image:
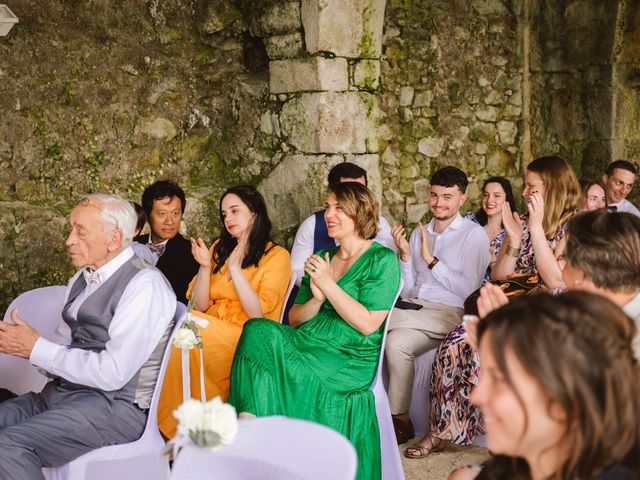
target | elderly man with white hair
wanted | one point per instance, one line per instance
(116, 320)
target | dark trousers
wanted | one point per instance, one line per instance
(51, 428)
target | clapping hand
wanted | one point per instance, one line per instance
(425, 247)
(200, 252)
(491, 298)
(535, 205)
(512, 224)
(320, 271)
(400, 239)
(237, 255)
(17, 339)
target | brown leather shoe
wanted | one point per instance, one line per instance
(403, 428)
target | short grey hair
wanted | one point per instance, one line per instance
(116, 212)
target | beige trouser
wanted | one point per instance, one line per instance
(411, 333)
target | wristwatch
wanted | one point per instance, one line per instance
(433, 263)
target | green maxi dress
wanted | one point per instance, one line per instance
(322, 370)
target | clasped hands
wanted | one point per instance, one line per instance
(19, 338)
(320, 272)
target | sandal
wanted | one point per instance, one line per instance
(403, 429)
(420, 450)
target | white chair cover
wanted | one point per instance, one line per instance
(292, 283)
(272, 448)
(136, 460)
(42, 309)
(391, 463)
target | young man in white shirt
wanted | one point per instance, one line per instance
(117, 319)
(312, 234)
(441, 264)
(618, 181)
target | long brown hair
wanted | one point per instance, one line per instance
(561, 191)
(577, 346)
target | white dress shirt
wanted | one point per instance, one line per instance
(144, 312)
(625, 206)
(463, 253)
(303, 243)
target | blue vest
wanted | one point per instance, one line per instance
(321, 238)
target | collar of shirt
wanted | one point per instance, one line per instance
(157, 244)
(455, 225)
(112, 266)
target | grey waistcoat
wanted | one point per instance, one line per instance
(91, 331)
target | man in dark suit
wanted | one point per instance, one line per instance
(164, 203)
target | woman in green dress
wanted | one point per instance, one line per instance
(321, 368)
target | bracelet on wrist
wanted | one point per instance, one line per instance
(433, 263)
(513, 251)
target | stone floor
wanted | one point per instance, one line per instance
(437, 466)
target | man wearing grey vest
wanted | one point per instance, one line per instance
(117, 319)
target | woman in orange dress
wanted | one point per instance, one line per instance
(243, 275)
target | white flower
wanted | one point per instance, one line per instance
(211, 424)
(185, 338)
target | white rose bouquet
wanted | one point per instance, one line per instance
(188, 335)
(208, 424)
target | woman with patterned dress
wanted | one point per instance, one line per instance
(532, 244)
(321, 367)
(243, 275)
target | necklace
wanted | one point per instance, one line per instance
(349, 257)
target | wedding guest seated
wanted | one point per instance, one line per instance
(117, 318)
(164, 203)
(445, 392)
(441, 265)
(593, 195)
(243, 275)
(313, 234)
(532, 244)
(559, 390)
(143, 250)
(603, 257)
(321, 369)
(618, 181)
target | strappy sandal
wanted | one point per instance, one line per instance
(419, 450)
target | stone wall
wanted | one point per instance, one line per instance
(110, 96)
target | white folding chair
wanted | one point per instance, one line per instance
(42, 309)
(136, 460)
(313, 452)
(391, 463)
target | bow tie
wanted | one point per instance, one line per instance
(157, 249)
(92, 277)
(613, 208)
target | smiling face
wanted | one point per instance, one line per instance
(594, 198)
(88, 244)
(339, 224)
(493, 197)
(236, 214)
(445, 202)
(618, 185)
(519, 418)
(533, 183)
(165, 219)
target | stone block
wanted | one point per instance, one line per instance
(406, 96)
(158, 128)
(422, 188)
(296, 187)
(366, 74)
(284, 46)
(487, 113)
(308, 74)
(277, 18)
(490, 7)
(431, 147)
(415, 213)
(329, 122)
(371, 163)
(423, 98)
(507, 132)
(347, 28)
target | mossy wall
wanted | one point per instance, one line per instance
(110, 96)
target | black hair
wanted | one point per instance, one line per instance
(346, 170)
(481, 215)
(159, 190)
(624, 165)
(260, 234)
(450, 176)
(142, 216)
